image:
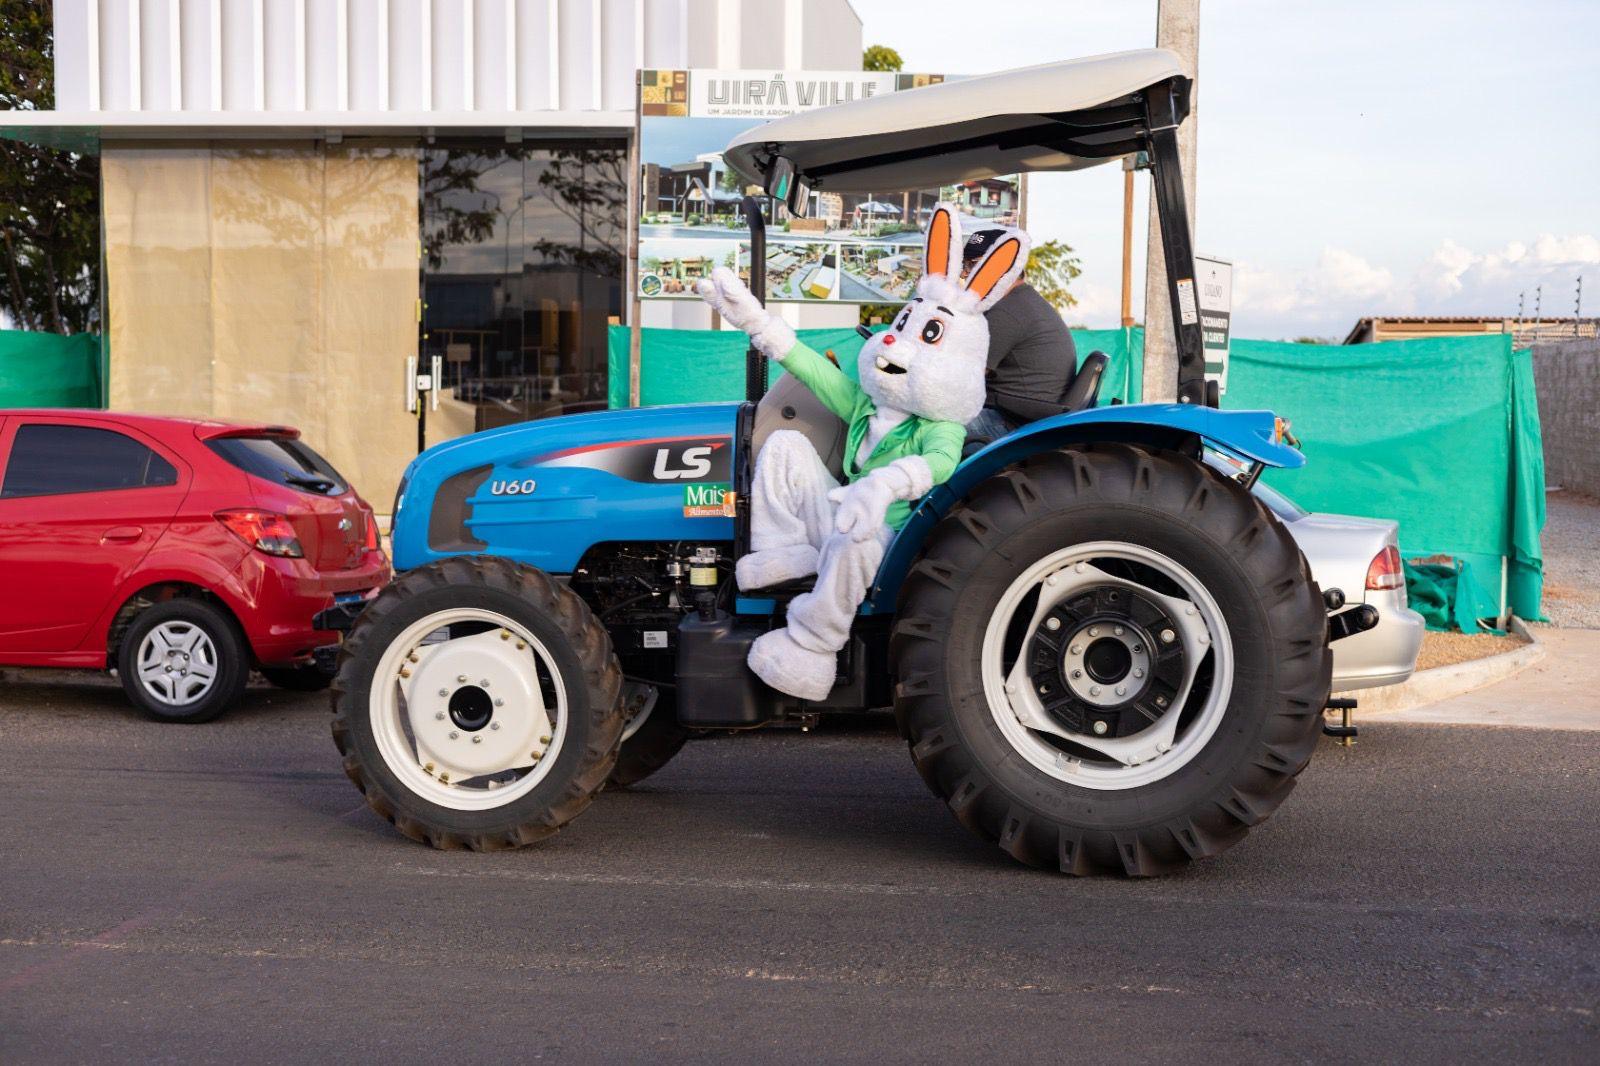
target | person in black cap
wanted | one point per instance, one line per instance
(1032, 360)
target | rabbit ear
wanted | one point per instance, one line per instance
(999, 269)
(943, 252)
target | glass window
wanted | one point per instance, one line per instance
(281, 461)
(523, 253)
(49, 460)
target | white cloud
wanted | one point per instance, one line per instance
(1343, 286)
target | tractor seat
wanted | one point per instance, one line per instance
(1081, 395)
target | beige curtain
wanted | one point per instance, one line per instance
(271, 283)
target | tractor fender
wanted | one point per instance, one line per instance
(1249, 435)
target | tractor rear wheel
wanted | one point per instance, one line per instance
(476, 704)
(1110, 660)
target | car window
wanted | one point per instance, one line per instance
(53, 460)
(281, 461)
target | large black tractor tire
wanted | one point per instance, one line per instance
(585, 668)
(651, 746)
(1160, 502)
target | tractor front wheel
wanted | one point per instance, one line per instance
(1110, 660)
(476, 704)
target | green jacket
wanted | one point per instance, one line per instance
(939, 443)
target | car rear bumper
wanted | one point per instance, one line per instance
(1386, 654)
(289, 595)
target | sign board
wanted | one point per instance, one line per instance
(1214, 278)
(850, 247)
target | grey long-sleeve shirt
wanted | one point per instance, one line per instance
(1031, 357)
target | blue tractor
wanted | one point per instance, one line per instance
(1104, 655)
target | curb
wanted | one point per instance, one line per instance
(1457, 679)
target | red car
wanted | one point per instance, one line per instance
(179, 552)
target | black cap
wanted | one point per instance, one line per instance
(979, 243)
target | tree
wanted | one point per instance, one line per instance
(881, 57)
(49, 199)
(1052, 267)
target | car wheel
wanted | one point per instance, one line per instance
(183, 660)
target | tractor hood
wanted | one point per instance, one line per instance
(544, 492)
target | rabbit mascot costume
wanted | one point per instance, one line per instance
(921, 382)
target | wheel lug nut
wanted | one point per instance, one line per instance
(444, 692)
(477, 740)
(1052, 624)
(1138, 673)
(1117, 631)
(439, 715)
(1076, 649)
(1100, 728)
(1094, 631)
(454, 735)
(1122, 690)
(484, 683)
(1077, 673)
(494, 725)
(1137, 648)
(1168, 636)
(461, 678)
(499, 703)
(1094, 690)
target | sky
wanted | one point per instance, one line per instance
(1355, 158)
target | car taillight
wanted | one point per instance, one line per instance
(1385, 571)
(370, 539)
(264, 531)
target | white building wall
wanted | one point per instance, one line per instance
(445, 58)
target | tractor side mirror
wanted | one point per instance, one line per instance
(799, 197)
(780, 178)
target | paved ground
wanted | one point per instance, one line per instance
(219, 893)
(1571, 543)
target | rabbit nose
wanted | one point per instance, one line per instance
(888, 338)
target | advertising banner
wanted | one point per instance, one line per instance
(851, 247)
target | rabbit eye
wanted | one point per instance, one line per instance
(933, 331)
(904, 318)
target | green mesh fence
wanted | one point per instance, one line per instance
(1441, 435)
(49, 370)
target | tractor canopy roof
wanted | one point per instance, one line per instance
(1057, 116)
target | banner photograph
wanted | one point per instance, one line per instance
(861, 247)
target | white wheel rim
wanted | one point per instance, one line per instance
(1108, 762)
(451, 738)
(177, 663)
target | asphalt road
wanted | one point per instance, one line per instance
(220, 893)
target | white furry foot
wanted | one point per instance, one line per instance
(774, 566)
(787, 667)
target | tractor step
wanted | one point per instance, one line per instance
(1344, 731)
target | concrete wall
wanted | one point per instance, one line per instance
(1567, 374)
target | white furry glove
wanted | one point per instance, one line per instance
(729, 297)
(864, 505)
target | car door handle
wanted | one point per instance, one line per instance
(121, 534)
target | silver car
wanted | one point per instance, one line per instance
(1361, 558)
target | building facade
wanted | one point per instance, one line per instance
(305, 201)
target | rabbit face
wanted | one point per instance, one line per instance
(932, 360)
(929, 362)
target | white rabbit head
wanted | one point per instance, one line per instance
(932, 359)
